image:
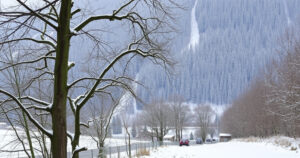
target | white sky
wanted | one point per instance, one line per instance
(7, 5)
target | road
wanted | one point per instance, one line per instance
(93, 153)
(119, 149)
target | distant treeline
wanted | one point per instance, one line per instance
(271, 105)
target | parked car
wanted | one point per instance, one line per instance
(184, 142)
(208, 141)
(214, 140)
(199, 141)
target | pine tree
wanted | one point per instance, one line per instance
(191, 136)
(116, 125)
(133, 130)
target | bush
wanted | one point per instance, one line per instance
(142, 152)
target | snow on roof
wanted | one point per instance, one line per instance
(225, 135)
(169, 136)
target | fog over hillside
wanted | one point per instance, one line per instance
(221, 47)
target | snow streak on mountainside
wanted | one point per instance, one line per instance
(194, 29)
(231, 41)
(287, 13)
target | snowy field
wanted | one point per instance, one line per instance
(273, 147)
(233, 149)
(9, 142)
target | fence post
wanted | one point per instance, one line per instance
(136, 149)
(131, 151)
(118, 148)
(109, 152)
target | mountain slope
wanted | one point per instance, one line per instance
(223, 50)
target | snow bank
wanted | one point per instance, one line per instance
(281, 141)
(8, 142)
(233, 149)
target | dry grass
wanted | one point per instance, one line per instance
(293, 148)
(251, 139)
(283, 142)
(142, 152)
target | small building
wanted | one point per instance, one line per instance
(224, 137)
(169, 137)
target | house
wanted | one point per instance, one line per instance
(224, 137)
(169, 137)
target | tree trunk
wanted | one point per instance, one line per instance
(26, 127)
(59, 123)
(129, 145)
(161, 135)
(77, 133)
(101, 151)
(28, 135)
(176, 134)
(160, 139)
(180, 137)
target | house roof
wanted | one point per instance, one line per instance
(225, 135)
(168, 136)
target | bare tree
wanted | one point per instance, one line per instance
(45, 31)
(249, 116)
(180, 113)
(203, 116)
(270, 106)
(156, 116)
(18, 80)
(284, 92)
(126, 122)
(99, 120)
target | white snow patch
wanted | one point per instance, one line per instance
(281, 141)
(195, 36)
(217, 108)
(232, 149)
(225, 135)
(287, 13)
(128, 99)
(8, 142)
(70, 63)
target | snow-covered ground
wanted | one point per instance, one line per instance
(233, 149)
(282, 141)
(8, 142)
(253, 147)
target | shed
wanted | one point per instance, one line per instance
(169, 137)
(224, 137)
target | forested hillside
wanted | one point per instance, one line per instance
(221, 47)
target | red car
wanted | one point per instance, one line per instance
(184, 142)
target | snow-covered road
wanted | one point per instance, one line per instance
(225, 150)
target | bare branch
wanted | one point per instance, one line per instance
(27, 62)
(31, 118)
(37, 15)
(30, 39)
